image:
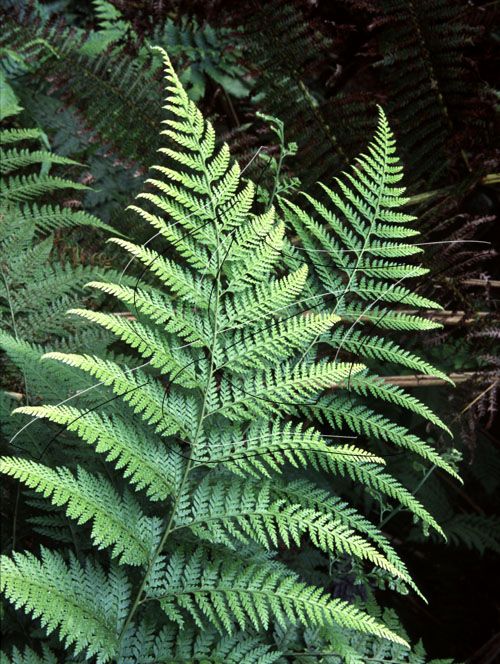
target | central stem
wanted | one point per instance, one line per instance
(189, 464)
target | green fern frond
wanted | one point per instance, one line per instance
(384, 350)
(47, 218)
(35, 289)
(12, 160)
(229, 513)
(476, 531)
(364, 420)
(352, 245)
(15, 135)
(280, 389)
(225, 592)
(84, 605)
(378, 388)
(117, 521)
(144, 461)
(181, 320)
(183, 646)
(202, 52)
(29, 656)
(23, 187)
(275, 342)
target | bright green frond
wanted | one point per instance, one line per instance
(227, 592)
(144, 461)
(224, 408)
(117, 521)
(84, 605)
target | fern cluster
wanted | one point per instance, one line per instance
(110, 72)
(423, 48)
(36, 286)
(220, 388)
(35, 292)
(357, 251)
(88, 77)
(285, 50)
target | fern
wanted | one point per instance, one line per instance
(117, 520)
(29, 656)
(225, 591)
(289, 52)
(79, 62)
(185, 645)
(357, 248)
(475, 531)
(35, 291)
(113, 67)
(200, 418)
(424, 65)
(202, 52)
(341, 646)
(36, 287)
(84, 604)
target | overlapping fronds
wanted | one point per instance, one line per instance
(219, 389)
(288, 53)
(84, 605)
(35, 290)
(424, 65)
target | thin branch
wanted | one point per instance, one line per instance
(412, 380)
(441, 316)
(486, 283)
(487, 180)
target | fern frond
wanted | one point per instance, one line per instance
(214, 398)
(384, 350)
(83, 604)
(15, 135)
(183, 646)
(280, 388)
(23, 187)
(12, 160)
(35, 289)
(143, 460)
(227, 511)
(146, 341)
(424, 63)
(225, 592)
(29, 656)
(275, 342)
(117, 521)
(364, 420)
(352, 246)
(375, 385)
(182, 282)
(142, 393)
(181, 320)
(48, 218)
(476, 531)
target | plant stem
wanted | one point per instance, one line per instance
(170, 522)
(487, 180)
(276, 179)
(398, 509)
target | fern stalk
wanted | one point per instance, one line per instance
(168, 527)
